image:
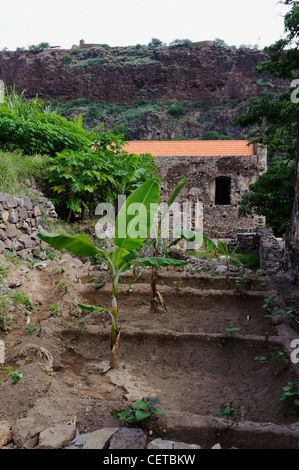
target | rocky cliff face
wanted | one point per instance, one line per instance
(214, 79)
(122, 75)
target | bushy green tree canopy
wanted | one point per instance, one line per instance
(274, 123)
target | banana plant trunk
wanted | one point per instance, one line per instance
(154, 303)
(227, 275)
(115, 331)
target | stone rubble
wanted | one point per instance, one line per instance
(26, 433)
(20, 221)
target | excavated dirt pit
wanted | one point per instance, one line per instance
(178, 356)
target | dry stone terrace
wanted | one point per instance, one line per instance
(20, 221)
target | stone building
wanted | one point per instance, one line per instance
(218, 172)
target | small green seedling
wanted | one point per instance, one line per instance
(31, 329)
(274, 355)
(5, 370)
(291, 391)
(178, 285)
(139, 410)
(55, 312)
(62, 287)
(16, 376)
(227, 411)
(228, 331)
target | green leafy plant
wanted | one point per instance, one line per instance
(19, 298)
(270, 304)
(157, 244)
(81, 178)
(28, 125)
(55, 312)
(243, 284)
(274, 355)
(62, 287)
(5, 320)
(126, 250)
(227, 411)
(16, 376)
(291, 391)
(228, 331)
(178, 285)
(31, 329)
(223, 248)
(5, 370)
(139, 410)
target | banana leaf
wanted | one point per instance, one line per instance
(146, 201)
(160, 262)
(79, 245)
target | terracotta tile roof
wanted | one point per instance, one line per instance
(190, 148)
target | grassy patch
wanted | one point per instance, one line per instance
(248, 258)
(15, 168)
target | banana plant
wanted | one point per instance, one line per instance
(156, 242)
(145, 199)
(127, 244)
(222, 247)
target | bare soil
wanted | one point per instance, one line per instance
(177, 355)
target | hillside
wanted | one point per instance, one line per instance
(146, 93)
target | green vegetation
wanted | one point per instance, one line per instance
(36, 48)
(82, 167)
(16, 376)
(247, 258)
(131, 231)
(31, 126)
(272, 196)
(291, 392)
(13, 176)
(139, 410)
(229, 331)
(273, 122)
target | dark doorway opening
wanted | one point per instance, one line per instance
(222, 191)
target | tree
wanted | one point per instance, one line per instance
(155, 42)
(220, 43)
(275, 205)
(274, 123)
(182, 43)
(210, 135)
(39, 47)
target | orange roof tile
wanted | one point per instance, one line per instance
(190, 148)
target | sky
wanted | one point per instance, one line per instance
(130, 22)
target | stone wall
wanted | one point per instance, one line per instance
(20, 221)
(270, 248)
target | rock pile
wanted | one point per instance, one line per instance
(20, 221)
(26, 433)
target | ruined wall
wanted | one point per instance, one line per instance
(219, 221)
